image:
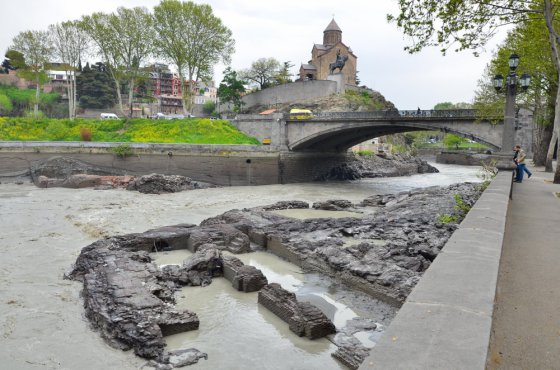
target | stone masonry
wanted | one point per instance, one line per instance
(303, 318)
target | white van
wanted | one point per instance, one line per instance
(109, 116)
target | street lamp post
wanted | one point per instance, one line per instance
(508, 136)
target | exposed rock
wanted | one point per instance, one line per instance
(391, 247)
(303, 318)
(224, 236)
(121, 301)
(64, 167)
(129, 300)
(351, 355)
(157, 184)
(291, 204)
(333, 205)
(84, 181)
(243, 277)
(178, 358)
(378, 166)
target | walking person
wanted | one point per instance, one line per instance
(519, 159)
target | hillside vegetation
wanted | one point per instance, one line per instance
(189, 131)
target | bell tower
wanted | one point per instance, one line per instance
(332, 35)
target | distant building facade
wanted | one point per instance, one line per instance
(322, 55)
(166, 87)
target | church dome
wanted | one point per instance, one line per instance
(332, 35)
(332, 27)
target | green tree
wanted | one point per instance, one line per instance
(449, 105)
(99, 29)
(70, 44)
(209, 107)
(36, 48)
(262, 72)
(123, 40)
(6, 105)
(470, 24)
(96, 89)
(135, 31)
(231, 88)
(451, 141)
(530, 40)
(14, 60)
(284, 76)
(191, 37)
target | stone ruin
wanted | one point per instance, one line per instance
(130, 301)
(303, 318)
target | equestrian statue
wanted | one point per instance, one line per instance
(339, 63)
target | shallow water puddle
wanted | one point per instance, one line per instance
(309, 213)
(175, 257)
(233, 322)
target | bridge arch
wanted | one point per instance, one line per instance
(340, 137)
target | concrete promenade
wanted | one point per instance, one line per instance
(491, 299)
(526, 322)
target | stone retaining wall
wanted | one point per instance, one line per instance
(445, 322)
(226, 165)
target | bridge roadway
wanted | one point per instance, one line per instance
(338, 131)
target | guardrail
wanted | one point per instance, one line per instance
(396, 114)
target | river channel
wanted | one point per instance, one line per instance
(43, 230)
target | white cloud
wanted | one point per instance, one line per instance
(286, 30)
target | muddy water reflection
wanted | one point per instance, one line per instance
(304, 214)
(238, 333)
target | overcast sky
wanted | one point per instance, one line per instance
(287, 29)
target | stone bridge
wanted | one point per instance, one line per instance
(338, 131)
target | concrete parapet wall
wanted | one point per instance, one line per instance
(445, 323)
(263, 127)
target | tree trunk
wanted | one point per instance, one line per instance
(74, 95)
(118, 88)
(69, 94)
(37, 95)
(553, 36)
(182, 84)
(542, 135)
(550, 153)
(130, 95)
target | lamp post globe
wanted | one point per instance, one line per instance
(513, 61)
(525, 80)
(498, 82)
(508, 136)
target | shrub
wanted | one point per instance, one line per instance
(447, 218)
(122, 150)
(460, 204)
(365, 153)
(6, 105)
(85, 134)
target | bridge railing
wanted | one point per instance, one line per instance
(396, 114)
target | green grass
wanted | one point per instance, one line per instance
(191, 131)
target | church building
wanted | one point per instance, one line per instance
(322, 55)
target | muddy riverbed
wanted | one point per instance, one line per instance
(43, 230)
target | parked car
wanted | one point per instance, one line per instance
(175, 116)
(159, 116)
(108, 116)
